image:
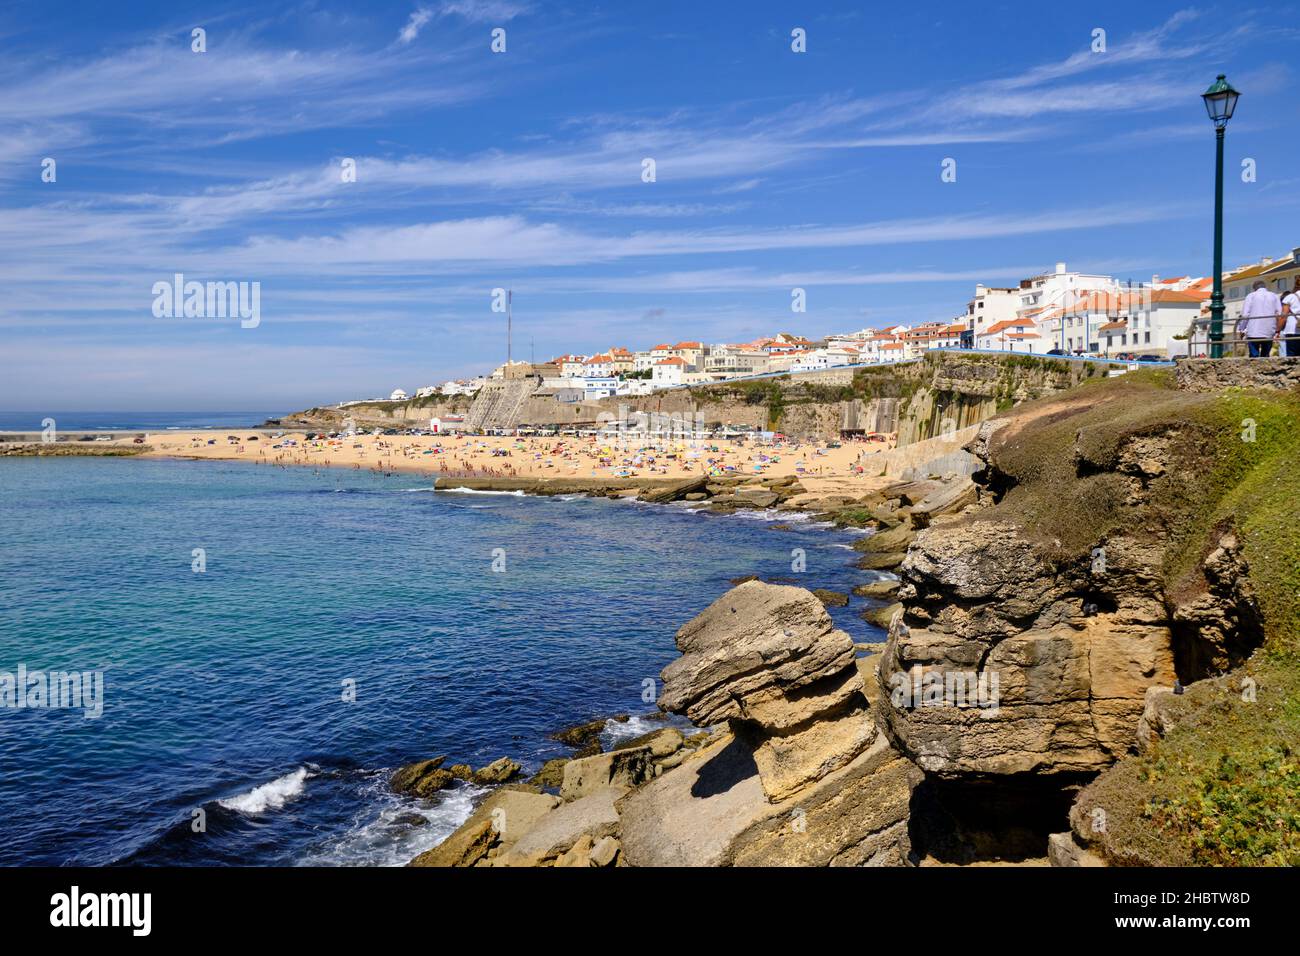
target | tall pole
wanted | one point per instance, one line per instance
(1216, 299)
(510, 319)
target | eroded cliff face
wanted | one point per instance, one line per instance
(943, 392)
(1066, 653)
(1054, 642)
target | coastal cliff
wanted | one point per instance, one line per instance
(942, 393)
(1109, 607)
(1133, 540)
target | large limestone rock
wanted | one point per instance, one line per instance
(423, 778)
(498, 771)
(620, 768)
(1063, 654)
(1063, 849)
(1221, 625)
(767, 659)
(751, 647)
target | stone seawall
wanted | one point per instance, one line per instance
(1213, 375)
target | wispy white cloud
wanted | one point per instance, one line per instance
(484, 11)
(419, 17)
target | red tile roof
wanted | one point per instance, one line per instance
(1006, 324)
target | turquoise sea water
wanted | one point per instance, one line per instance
(224, 690)
(129, 421)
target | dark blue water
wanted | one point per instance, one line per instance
(223, 698)
(130, 421)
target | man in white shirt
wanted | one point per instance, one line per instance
(1261, 320)
(1291, 318)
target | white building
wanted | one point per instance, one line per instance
(1012, 335)
(598, 386)
(448, 424)
(1043, 297)
(892, 350)
(669, 371)
(731, 361)
(829, 357)
(397, 396)
(947, 337)
(844, 354)
(466, 386)
(990, 306)
(1150, 323)
(571, 366)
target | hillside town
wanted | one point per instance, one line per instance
(1056, 313)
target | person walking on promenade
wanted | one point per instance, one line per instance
(1291, 322)
(1261, 320)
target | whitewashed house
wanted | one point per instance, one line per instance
(1012, 335)
(670, 371)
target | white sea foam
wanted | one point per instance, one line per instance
(385, 837)
(764, 514)
(617, 731)
(479, 491)
(270, 796)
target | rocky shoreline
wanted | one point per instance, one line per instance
(1055, 623)
(70, 450)
(783, 702)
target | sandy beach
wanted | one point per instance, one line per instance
(530, 457)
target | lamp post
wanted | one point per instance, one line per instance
(1220, 102)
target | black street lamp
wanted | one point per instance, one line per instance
(1220, 102)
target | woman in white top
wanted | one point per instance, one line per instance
(1291, 313)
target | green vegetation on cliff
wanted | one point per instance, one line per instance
(1135, 455)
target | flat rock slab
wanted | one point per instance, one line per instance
(712, 811)
(593, 816)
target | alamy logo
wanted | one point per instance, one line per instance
(75, 908)
(208, 300)
(53, 690)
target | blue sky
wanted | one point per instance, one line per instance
(522, 169)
